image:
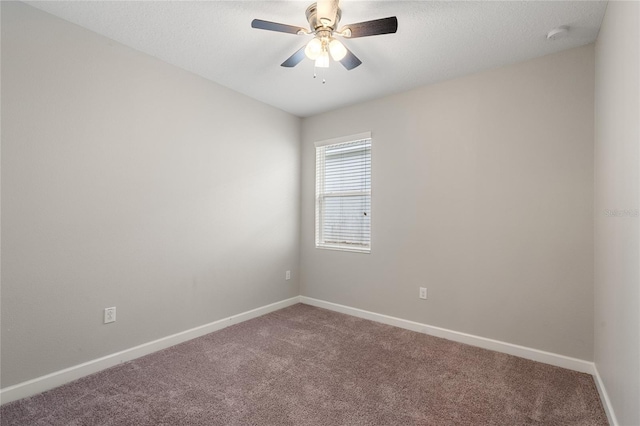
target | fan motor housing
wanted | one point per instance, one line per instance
(314, 23)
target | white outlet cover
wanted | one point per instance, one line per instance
(423, 292)
(109, 315)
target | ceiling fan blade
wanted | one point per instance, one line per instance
(274, 26)
(371, 28)
(350, 61)
(327, 11)
(294, 59)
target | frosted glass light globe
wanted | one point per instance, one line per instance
(313, 49)
(337, 50)
(322, 61)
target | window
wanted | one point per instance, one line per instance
(343, 193)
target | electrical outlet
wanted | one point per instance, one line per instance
(423, 292)
(287, 275)
(109, 315)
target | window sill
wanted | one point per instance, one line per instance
(365, 250)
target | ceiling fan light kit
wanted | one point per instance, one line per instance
(323, 18)
(319, 48)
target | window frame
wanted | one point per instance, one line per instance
(320, 195)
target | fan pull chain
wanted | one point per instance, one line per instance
(315, 75)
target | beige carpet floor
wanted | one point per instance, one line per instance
(308, 366)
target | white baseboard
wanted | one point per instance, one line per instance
(604, 397)
(58, 378)
(482, 342)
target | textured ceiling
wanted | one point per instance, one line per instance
(435, 41)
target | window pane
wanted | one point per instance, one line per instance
(347, 171)
(347, 219)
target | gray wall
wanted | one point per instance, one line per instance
(128, 182)
(482, 191)
(617, 232)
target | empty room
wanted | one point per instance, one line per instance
(335, 213)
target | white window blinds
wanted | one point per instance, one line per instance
(343, 195)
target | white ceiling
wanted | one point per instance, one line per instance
(435, 41)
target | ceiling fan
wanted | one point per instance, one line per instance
(323, 18)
